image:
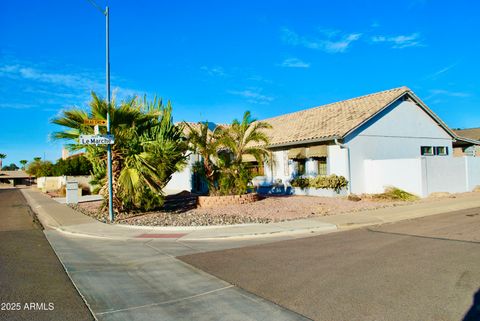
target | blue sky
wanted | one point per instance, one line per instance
(216, 59)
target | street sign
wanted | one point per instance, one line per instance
(96, 139)
(95, 122)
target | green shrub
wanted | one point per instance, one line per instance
(233, 180)
(329, 182)
(396, 194)
(301, 182)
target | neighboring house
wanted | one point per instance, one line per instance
(390, 138)
(15, 178)
(466, 142)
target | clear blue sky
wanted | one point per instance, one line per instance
(216, 59)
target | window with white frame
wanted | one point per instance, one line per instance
(321, 166)
(426, 151)
(441, 150)
(434, 150)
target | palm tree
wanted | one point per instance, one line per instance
(37, 159)
(247, 137)
(23, 162)
(204, 142)
(148, 148)
(2, 157)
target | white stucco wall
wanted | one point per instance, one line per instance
(279, 168)
(396, 134)
(405, 174)
(423, 175)
(473, 172)
(445, 175)
(182, 180)
(337, 161)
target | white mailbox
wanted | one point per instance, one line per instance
(72, 192)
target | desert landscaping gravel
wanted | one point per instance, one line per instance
(269, 209)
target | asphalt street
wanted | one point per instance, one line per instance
(33, 283)
(422, 269)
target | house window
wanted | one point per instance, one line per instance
(321, 166)
(255, 169)
(441, 150)
(301, 167)
(426, 151)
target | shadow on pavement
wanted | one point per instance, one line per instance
(473, 314)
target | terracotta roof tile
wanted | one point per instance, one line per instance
(472, 133)
(331, 120)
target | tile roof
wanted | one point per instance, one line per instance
(14, 174)
(472, 133)
(333, 120)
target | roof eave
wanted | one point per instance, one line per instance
(304, 142)
(467, 140)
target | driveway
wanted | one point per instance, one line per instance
(422, 269)
(142, 280)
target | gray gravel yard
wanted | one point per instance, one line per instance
(269, 209)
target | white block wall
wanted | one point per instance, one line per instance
(424, 175)
(402, 173)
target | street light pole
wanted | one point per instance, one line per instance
(109, 146)
(106, 13)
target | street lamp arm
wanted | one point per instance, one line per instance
(93, 3)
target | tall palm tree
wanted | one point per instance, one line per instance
(2, 157)
(148, 148)
(204, 142)
(23, 162)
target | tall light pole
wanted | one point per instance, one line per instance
(109, 146)
(106, 13)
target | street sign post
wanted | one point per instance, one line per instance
(96, 139)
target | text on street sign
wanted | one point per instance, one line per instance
(96, 139)
(95, 122)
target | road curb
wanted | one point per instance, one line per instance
(47, 221)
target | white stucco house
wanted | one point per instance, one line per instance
(389, 138)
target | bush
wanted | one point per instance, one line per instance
(354, 198)
(233, 181)
(329, 182)
(301, 182)
(74, 165)
(395, 194)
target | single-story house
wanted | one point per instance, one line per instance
(389, 138)
(466, 145)
(15, 178)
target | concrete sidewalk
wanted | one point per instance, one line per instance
(66, 220)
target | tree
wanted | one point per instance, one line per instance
(23, 162)
(2, 157)
(148, 149)
(247, 137)
(74, 165)
(11, 167)
(204, 142)
(222, 152)
(39, 168)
